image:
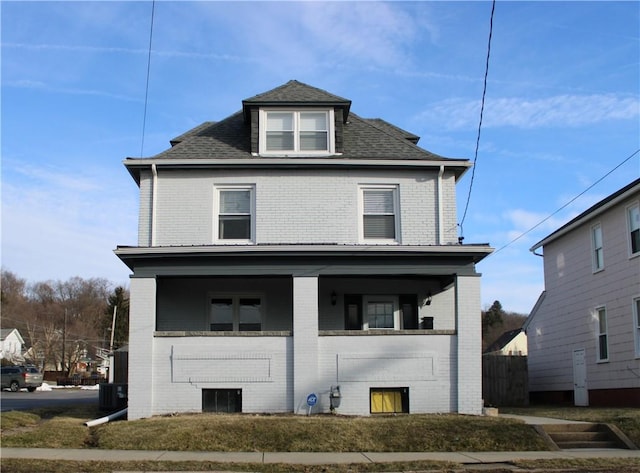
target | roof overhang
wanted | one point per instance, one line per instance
(592, 212)
(136, 165)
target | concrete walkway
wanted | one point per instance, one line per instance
(306, 458)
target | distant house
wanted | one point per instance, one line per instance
(584, 331)
(295, 256)
(11, 345)
(510, 343)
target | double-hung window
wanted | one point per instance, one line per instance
(235, 210)
(236, 314)
(633, 220)
(296, 132)
(379, 213)
(596, 248)
(603, 343)
(636, 324)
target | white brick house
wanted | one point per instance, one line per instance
(296, 248)
(584, 332)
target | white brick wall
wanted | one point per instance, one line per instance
(142, 312)
(469, 348)
(297, 206)
(305, 340)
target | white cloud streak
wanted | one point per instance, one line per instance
(557, 111)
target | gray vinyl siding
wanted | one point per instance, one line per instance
(566, 320)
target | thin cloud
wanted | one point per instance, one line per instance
(45, 87)
(558, 111)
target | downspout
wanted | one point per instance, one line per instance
(154, 202)
(439, 205)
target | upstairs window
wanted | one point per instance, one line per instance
(634, 228)
(296, 132)
(235, 214)
(379, 213)
(596, 248)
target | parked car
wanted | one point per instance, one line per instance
(18, 377)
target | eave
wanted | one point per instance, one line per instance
(135, 165)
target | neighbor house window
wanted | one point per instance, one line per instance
(596, 248)
(379, 213)
(636, 324)
(235, 214)
(236, 314)
(296, 132)
(603, 344)
(634, 228)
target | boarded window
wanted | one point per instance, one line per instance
(389, 400)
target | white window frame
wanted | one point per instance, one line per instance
(395, 189)
(386, 298)
(635, 312)
(597, 250)
(602, 334)
(216, 217)
(235, 298)
(296, 132)
(631, 228)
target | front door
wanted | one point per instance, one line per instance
(580, 392)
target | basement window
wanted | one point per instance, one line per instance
(222, 400)
(389, 400)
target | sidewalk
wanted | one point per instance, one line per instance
(305, 458)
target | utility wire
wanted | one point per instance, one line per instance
(146, 91)
(566, 205)
(484, 93)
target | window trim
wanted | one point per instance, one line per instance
(635, 312)
(218, 188)
(235, 297)
(395, 189)
(628, 210)
(600, 334)
(597, 250)
(262, 137)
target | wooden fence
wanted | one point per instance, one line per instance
(505, 381)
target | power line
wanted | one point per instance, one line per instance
(146, 91)
(567, 204)
(484, 93)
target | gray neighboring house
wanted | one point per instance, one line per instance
(584, 331)
(295, 257)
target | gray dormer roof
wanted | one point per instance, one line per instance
(296, 94)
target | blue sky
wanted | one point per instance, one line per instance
(562, 109)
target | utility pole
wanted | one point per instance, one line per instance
(64, 342)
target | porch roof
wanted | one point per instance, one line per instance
(306, 259)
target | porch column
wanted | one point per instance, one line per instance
(305, 340)
(142, 321)
(469, 350)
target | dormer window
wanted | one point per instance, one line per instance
(296, 132)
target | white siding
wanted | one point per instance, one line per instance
(566, 319)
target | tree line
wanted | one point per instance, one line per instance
(496, 321)
(65, 324)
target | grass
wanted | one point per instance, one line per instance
(626, 419)
(267, 433)
(63, 428)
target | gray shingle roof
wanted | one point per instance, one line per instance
(230, 138)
